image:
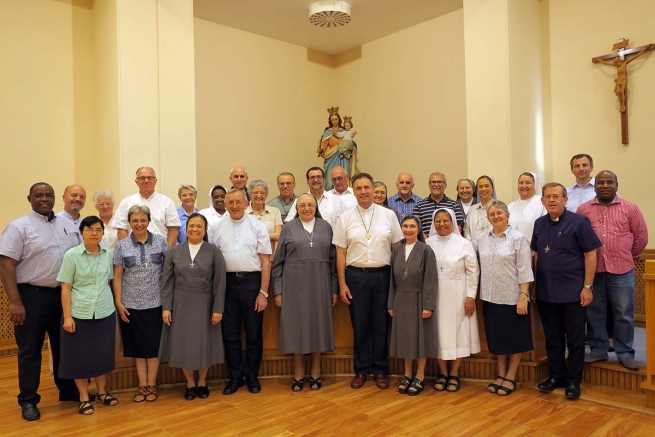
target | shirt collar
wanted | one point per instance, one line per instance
(102, 249)
(135, 241)
(591, 182)
(44, 218)
(241, 220)
(152, 196)
(615, 200)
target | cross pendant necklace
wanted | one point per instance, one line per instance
(546, 249)
(370, 224)
(192, 264)
(310, 237)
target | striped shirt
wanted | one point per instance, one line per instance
(621, 228)
(426, 207)
(39, 245)
(401, 207)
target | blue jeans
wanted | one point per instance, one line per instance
(619, 290)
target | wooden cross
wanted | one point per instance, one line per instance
(621, 61)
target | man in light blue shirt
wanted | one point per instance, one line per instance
(584, 188)
(74, 200)
(32, 249)
(246, 247)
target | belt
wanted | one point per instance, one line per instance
(40, 287)
(369, 269)
(239, 274)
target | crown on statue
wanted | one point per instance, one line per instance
(333, 110)
(348, 119)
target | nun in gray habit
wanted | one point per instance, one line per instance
(305, 286)
(412, 303)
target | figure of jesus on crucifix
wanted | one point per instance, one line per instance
(621, 61)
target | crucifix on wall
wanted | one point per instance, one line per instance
(621, 58)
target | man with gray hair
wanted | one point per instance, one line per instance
(404, 201)
(165, 221)
(239, 179)
(103, 200)
(437, 199)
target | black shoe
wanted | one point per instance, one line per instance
(203, 392)
(253, 385)
(572, 391)
(30, 412)
(190, 393)
(232, 386)
(551, 384)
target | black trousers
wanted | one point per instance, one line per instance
(370, 319)
(240, 295)
(42, 314)
(564, 327)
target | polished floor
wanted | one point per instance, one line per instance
(335, 410)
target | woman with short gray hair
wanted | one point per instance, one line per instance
(269, 215)
(187, 195)
(104, 201)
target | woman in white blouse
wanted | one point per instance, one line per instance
(476, 219)
(506, 273)
(524, 212)
(269, 215)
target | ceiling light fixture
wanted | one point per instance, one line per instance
(329, 14)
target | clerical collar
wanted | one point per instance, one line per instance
(239, 220)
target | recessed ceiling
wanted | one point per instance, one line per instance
(288, 20)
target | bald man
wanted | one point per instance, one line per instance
(342, 192)
(74, 198)
(404, 201)
(239, 179)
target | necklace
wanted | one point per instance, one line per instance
(310, 237)
(440, 263)
(407, 257)
(93, 271)
(368, 230)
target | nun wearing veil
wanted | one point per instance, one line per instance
(458, 275)
(528, 208)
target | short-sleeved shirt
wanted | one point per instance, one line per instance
(560, 247)
(351, 231)
(271, 217)
(283, 206)
(330, 207)
(212, 216)
(505, 263)
(403, 208)
(163, 213)
(91, 297)
(143, 265)
(426, 207)
(76, 223)
(184, 217)
(38, 244)
(241, 242)
(578, 195)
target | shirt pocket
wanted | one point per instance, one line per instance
(156, 258)
(568, 242)
(129, 262)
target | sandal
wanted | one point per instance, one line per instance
(417, 385)
(315, 384)
(404, 385)
(297, 385)
(452, 384)
(506, 391)
(107, 399)
(493, 387)
(86, 408)
(151, 394)
(441, 385)
(141, 394)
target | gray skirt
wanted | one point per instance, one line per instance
(90, 351)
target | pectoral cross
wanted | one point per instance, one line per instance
(311, 244)
(441, 268)
(546, 249)
(620, 61)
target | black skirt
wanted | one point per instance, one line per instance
(90, 351)
(142, 335)
(507, 331)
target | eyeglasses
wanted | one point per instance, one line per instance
(437, 182)
(146, 178)
(92, 231)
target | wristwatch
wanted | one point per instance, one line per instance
(264, 293)
(589, 287)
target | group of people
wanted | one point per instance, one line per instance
(184, 282)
